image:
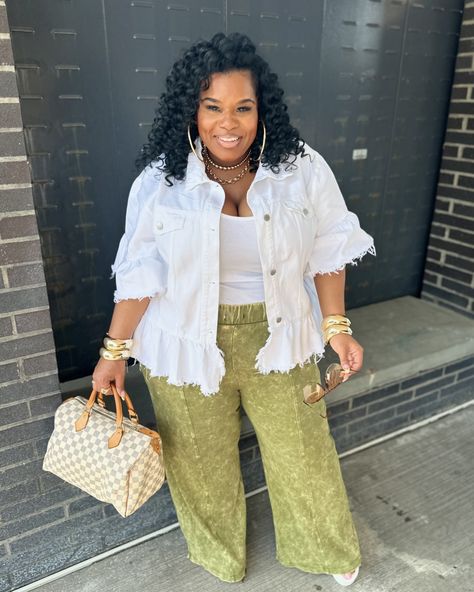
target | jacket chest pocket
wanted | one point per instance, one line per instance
(168, 227)
(168, 221)
(302, 208)
(298, 228)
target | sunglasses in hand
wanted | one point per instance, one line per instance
(333, 377)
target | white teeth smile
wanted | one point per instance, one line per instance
(227, 139)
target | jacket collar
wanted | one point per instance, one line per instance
(196, 173)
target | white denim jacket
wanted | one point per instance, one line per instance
(170, 252)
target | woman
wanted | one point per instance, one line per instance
(234, 250)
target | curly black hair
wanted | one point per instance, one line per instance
(168, 142)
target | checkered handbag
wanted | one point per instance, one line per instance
(112, 458)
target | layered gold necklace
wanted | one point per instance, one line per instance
(208, 162)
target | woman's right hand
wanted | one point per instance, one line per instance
(107, 371)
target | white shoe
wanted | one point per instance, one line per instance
(340, 579)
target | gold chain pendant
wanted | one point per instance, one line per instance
(228, 181)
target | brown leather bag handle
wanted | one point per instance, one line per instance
(132, 414)
(83, 420)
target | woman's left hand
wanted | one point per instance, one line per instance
(350, 352)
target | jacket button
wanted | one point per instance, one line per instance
(159, 225)
(273, 271)
(305, 211)
(266, 217)
(278, 319)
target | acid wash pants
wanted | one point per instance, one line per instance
(314, 529)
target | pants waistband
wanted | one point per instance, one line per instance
(241, 314)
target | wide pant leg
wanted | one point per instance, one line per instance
(314, 529)
(200, 438)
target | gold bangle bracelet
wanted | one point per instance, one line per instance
(338, 326)
(114, 356)
(338, 317)
(329, 334)
(116, 345)
(338, 329)
(331, 320)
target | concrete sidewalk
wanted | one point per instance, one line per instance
(412, 501)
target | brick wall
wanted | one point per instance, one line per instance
(449, 278)
(29, 388)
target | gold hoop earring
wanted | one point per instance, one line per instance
(263, 142)
(192, 145)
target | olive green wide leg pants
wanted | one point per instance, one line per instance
(314, 529)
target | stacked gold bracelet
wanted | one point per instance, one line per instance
(334, 324)
(115, 349)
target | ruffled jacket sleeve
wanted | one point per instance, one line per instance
(138, 269)
(339, 239)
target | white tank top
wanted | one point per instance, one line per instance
(240, 269)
